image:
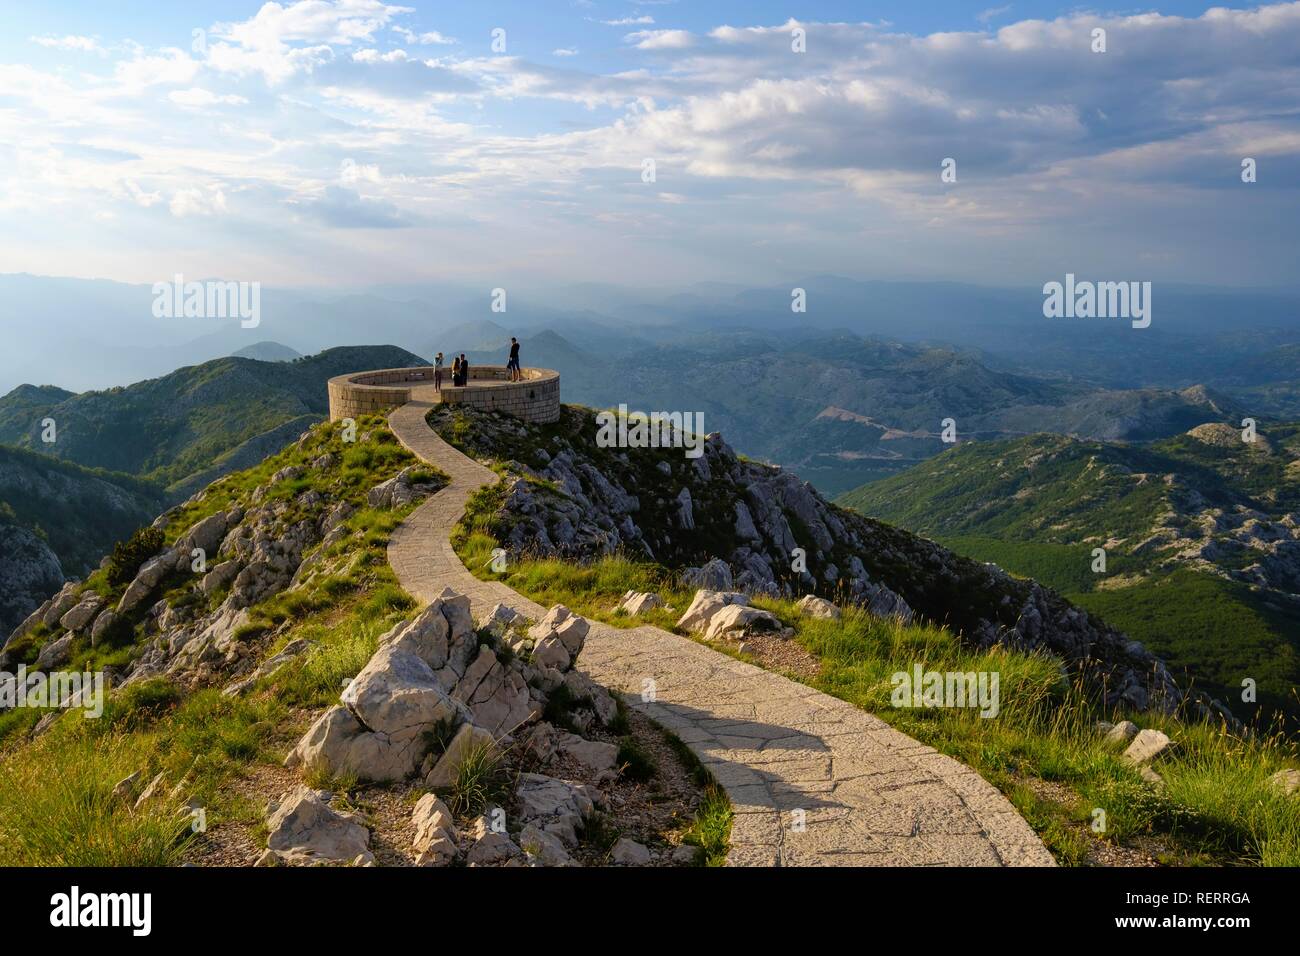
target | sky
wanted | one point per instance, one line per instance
(347, 143)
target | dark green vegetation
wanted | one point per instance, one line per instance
(128, 555)
(1179, 520)
(78, 511)
(169, 428)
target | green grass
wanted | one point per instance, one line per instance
(711, 829)
(1215, 807)
(481, 780)
(54, 805)
(1215, 802)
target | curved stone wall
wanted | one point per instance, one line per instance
(535, 399)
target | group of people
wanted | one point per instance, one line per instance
(459, 370)
(460, 367)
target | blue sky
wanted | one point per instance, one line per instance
(340, 143)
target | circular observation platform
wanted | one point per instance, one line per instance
(536, 398)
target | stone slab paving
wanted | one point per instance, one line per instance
(814, 781)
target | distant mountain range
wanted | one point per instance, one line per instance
(267, 352)
(1201, 534)
(841, 409)
(188, 426)
(107, 333)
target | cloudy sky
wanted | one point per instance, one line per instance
(342, 143)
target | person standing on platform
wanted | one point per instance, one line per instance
(513, 365)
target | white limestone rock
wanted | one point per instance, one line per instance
(705, 604)
(304, 829)
(813, 606)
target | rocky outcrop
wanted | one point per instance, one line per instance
(29, 573)
(56, 520)
(431, 675)
(432, 698)
(757, 529)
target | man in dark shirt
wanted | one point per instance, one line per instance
(513, 365)
(464, 369)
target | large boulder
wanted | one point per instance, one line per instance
(60, 604)
(207, 534)
(705, 604)
(638, 602)
(377, 733)
(549, 652)
(54, 654)
(146, 579)
(737, 620)
(83, 612)
(426, 637)
(563, 624)
(104, 622)
(497, 697)
(810, 605)
(303, 828)
(1147, 746)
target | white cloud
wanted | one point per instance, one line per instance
(431, 38)
(172, 67)
(197, 202)
(1045, 132)
(629, 22)
(350, 173)
(263, 43)
(314, 21)
(564, 51)
(76, 43)
(371, 55)
(199, 97)
(660, 39)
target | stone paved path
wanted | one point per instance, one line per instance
(814, 780)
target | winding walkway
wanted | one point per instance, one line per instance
(813, 780)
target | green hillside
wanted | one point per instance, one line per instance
(79, 512)
(1199, 532)
(170, 428)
